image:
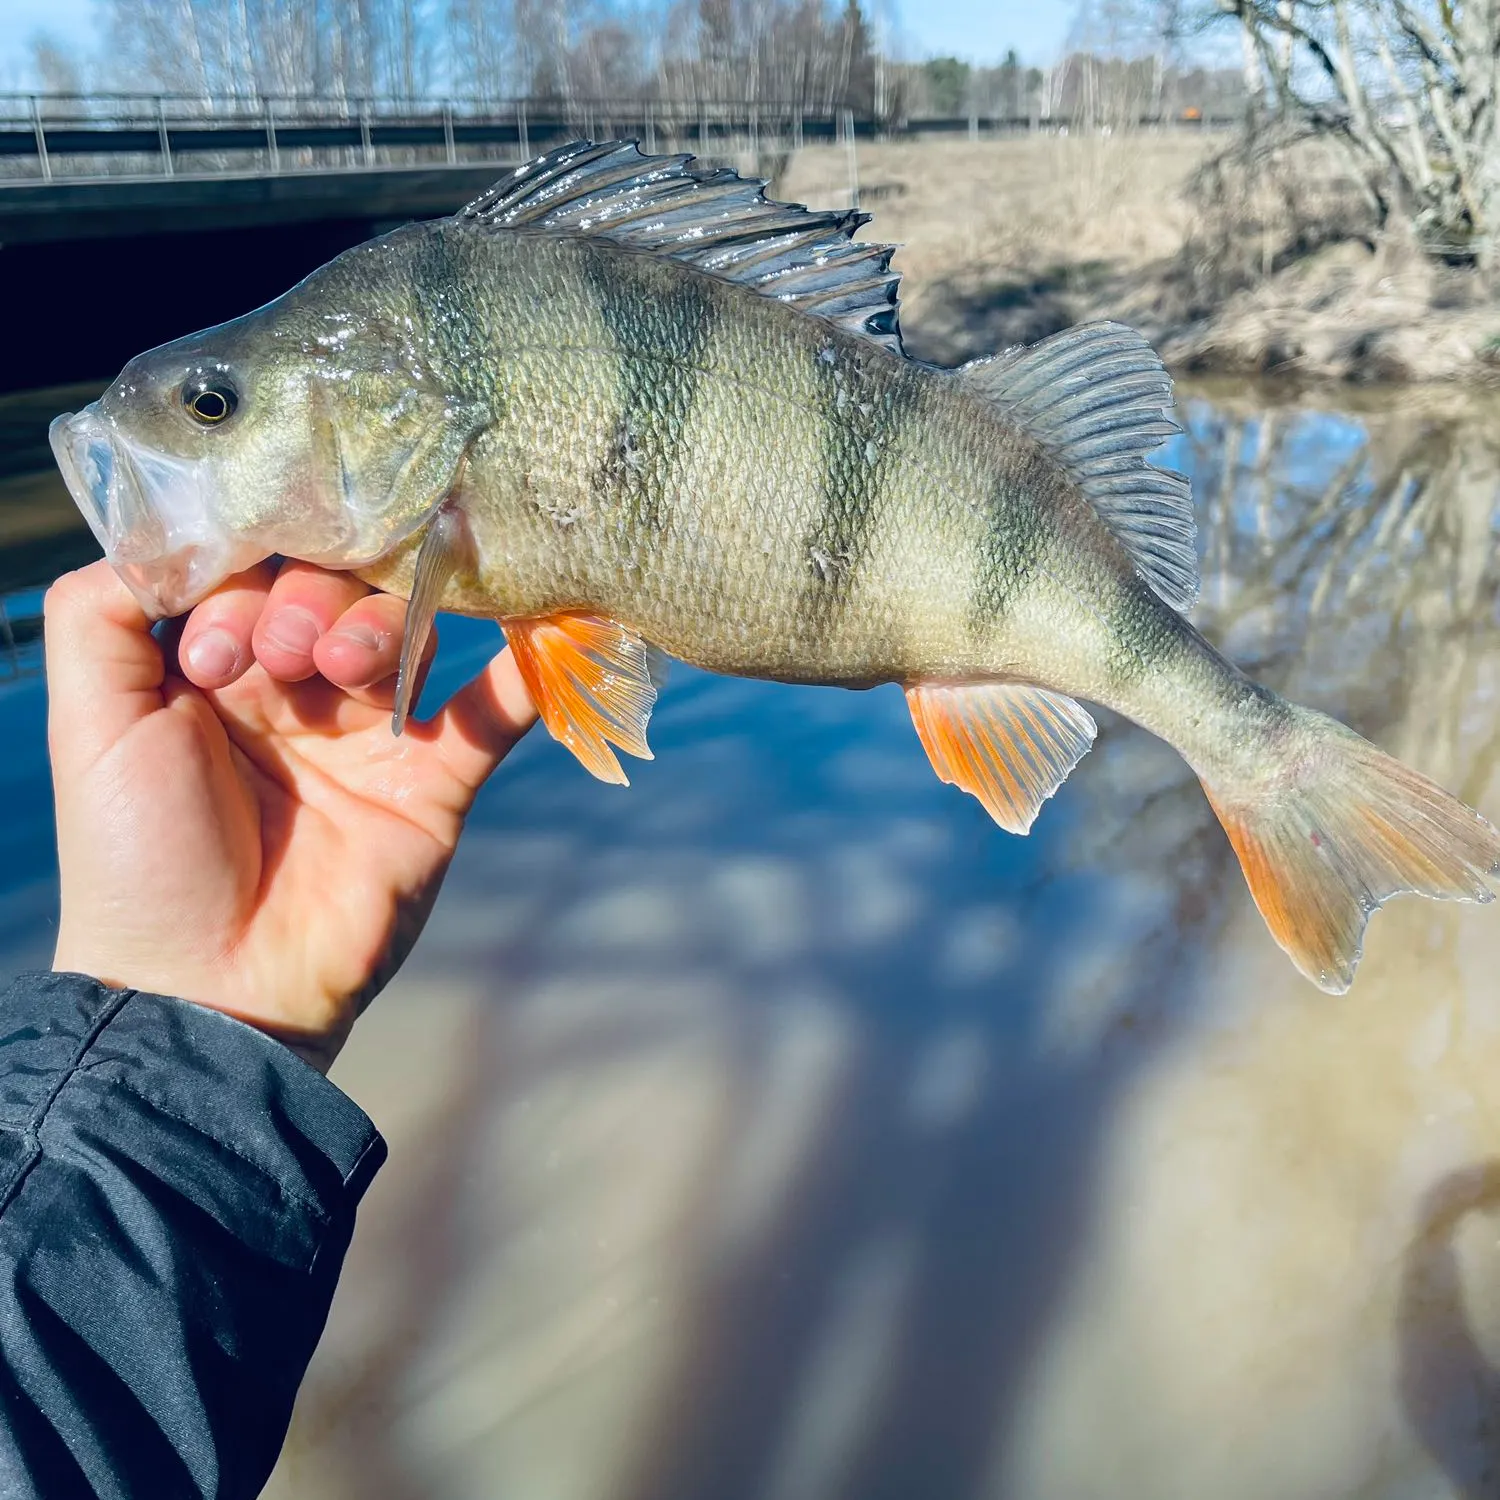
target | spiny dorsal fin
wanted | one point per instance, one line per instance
(710, 217)
(1098, 398)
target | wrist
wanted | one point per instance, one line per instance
(317, 1047)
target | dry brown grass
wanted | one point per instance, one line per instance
(1225, 263)
(1003, 240)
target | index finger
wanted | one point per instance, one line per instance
(104, 669)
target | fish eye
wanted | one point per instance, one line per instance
(210, 402)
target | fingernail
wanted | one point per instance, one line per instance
(293, 631)
(359, 635)
(214, 655)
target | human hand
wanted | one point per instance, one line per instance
(243, 830)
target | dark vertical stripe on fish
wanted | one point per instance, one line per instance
(1147, 633)
(865, 418)
(453, 326)
(661, 334)
(1018, 530)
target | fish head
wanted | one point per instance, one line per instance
(317, 427)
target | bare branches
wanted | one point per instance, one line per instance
(820, 54)
(1411, 89)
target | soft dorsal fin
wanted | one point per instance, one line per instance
(710, 217)
(1098, 398)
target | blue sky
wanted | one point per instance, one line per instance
(21, 19)
(977, 29)
(983, 30)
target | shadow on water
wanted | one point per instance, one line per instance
(778, 1130)
(1450, 1385)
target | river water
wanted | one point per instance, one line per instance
(778, 1129)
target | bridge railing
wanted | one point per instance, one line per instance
(56, 137)
(71, 137)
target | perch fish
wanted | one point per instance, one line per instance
(622, 401)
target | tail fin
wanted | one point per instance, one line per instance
(1340, 832)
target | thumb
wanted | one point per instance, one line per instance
(104, 669)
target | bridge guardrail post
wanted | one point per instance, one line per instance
(449, 148)
(41, 140)
(271, 147)
(164, 140)
(365, 147)
(521, 130)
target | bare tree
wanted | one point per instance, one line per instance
(785, 51)
(479, 45)
(340, 49)
(820, 55)
(57, 67)
(1120, 53)
(1410, 89)
(607, 62)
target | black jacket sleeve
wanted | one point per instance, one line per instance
(176, 1195)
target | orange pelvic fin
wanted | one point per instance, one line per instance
(1345, 828)
(591, 681)
(1008, 743)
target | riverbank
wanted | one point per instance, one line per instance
(1007, 240)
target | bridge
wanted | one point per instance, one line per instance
(74, 166)
(126, 220)
(88, 166)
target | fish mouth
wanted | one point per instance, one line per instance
(151, 512)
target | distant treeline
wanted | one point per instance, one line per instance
(815, 55)
(1091, 89)
(800, 52)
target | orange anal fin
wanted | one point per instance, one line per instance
(590, 679)
(1008, 743)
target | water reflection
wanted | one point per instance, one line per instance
(779, 1129)
(41, 533)
(21, 636)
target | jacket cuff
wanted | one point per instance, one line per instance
(198, 1096)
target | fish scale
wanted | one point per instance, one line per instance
(623, 402)
(742, 515)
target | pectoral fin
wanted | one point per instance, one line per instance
(590, 679)
(445, 548)
(1008, 743)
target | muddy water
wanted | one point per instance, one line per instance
(779, 1130)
